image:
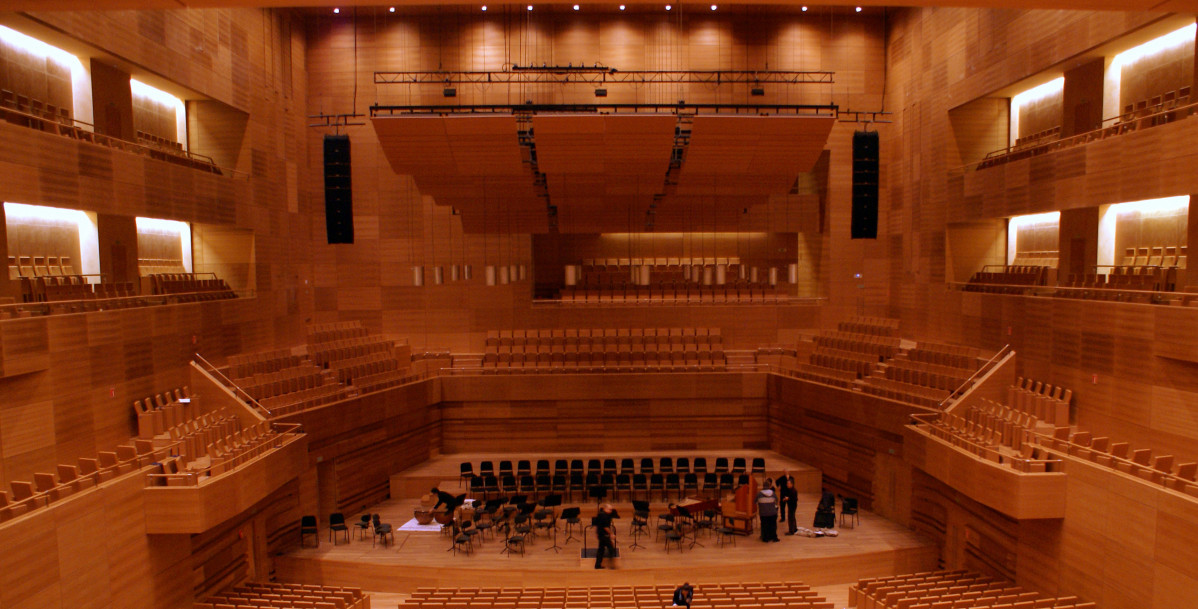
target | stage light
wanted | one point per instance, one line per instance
(668, 7)
(391, 10)
(713, 7)
(484, 8)
(336, 11)
(575, 7)
(858, 9)
(804, 9)
(621, 7)
(530, 7)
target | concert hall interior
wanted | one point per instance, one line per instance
(276, 271)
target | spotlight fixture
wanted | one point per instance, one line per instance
(804, 9)
(621, 7)
(530, 7)
(668, 7)
(713, 7)
(336, 11)
(600, 92)
(484, 8)
(858, 9)
(575, 7)
(391, 10)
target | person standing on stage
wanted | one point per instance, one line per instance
(767, 508)
(606, 533)
(788, 497)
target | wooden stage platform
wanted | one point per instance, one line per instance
(874, 547)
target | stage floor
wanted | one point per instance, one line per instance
(875, 547)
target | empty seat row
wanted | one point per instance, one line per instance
(304, 399)
(676, 295)
(323, 333)
(1158, 469)
(904, 392)
(730, 595)
(951, 589)
(603, 336)
(39, 266)
(277, 594)
(819, 374)
(955, 356)
(157, 413)
(180, 283)
(881, 346)
(1041, 400)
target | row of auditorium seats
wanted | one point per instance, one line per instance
(1050, 259)
(281, 382)
(39, 266)
(675, 295)
(248, 364)
(617, 465)
(679, 360)
(734, 595)
(1157, 110)
(60, 288)
(681, 484)
(347, 370)
(22, 110)
(603, 336)
(863, 364)
(818, 374)
(189, 442)
(955, 356)
(70, 479)
(1141, 462)
(665, 263)
(881, 346)
(1141, 279)
(182, 283)
(1154, 256)
(159, 266)
(928, 397)
(305, 398)
(1038, 137)
(328, 353)
(156, 141)
(906, 372)
(880, 326)
(951, 589)
(994, 439)
(229, 446)
(1041, 400)
(160, 412)
(270, 595)
(338, 330)
(1011, 275)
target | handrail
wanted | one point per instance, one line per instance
(1051, 442)
(245, 396)
(47, 307)
(961, 389)
(1132, 122)
(1054, 290)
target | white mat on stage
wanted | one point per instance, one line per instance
(412, 525)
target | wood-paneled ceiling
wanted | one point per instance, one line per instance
(86, 5)
(589, 173)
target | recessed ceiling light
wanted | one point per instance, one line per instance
(804, 9)
(668, 7)
(575, 7)
(391, 10)
(621, 7)
(713, 7)
(484, 7)
(336, 11)
(530, 7)
(858, 9)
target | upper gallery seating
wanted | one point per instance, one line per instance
(951, 589)
(162, 411)
(604, 350)
(278, 594)
(1159, 469)
(722, 596)
(671, 281)
(341, 360)
(22, 110)
(190, 283)
(1142, 114)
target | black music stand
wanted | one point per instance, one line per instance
(570, 515)
(639, 527)
(686, 514)
(551, 502)
(597, 492)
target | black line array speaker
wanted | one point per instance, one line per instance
(338, 190)
(865, 185)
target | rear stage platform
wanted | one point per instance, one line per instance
(874, 547)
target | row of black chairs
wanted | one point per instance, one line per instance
(627, 465)
(605, 486)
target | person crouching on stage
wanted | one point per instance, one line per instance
(767, 508)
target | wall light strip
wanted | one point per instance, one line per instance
(1156, 45)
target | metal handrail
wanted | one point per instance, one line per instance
(244, 395)
(980, 371)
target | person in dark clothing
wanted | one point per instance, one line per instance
(767, 508)
(788, 496)
(683, 595)
(606, 532)
(444, 499)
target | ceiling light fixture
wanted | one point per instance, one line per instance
(621, 7)
(804, 9)
(575, 7)
(668, 7)
(713, 7)
(530, 7)
(484, 8)
(391, 10)
(858, 9)
(336, 11)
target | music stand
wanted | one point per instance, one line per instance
(686, 514)
(640, 510)
(570, 515)
(549, 503)
(597, 492)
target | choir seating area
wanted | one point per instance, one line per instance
(868, 355)
(23, 110)
(279, 595)
(729, 595)
(677, 294)
(1145, 113)
(340, 360)
(952, 589)
(604, 350)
